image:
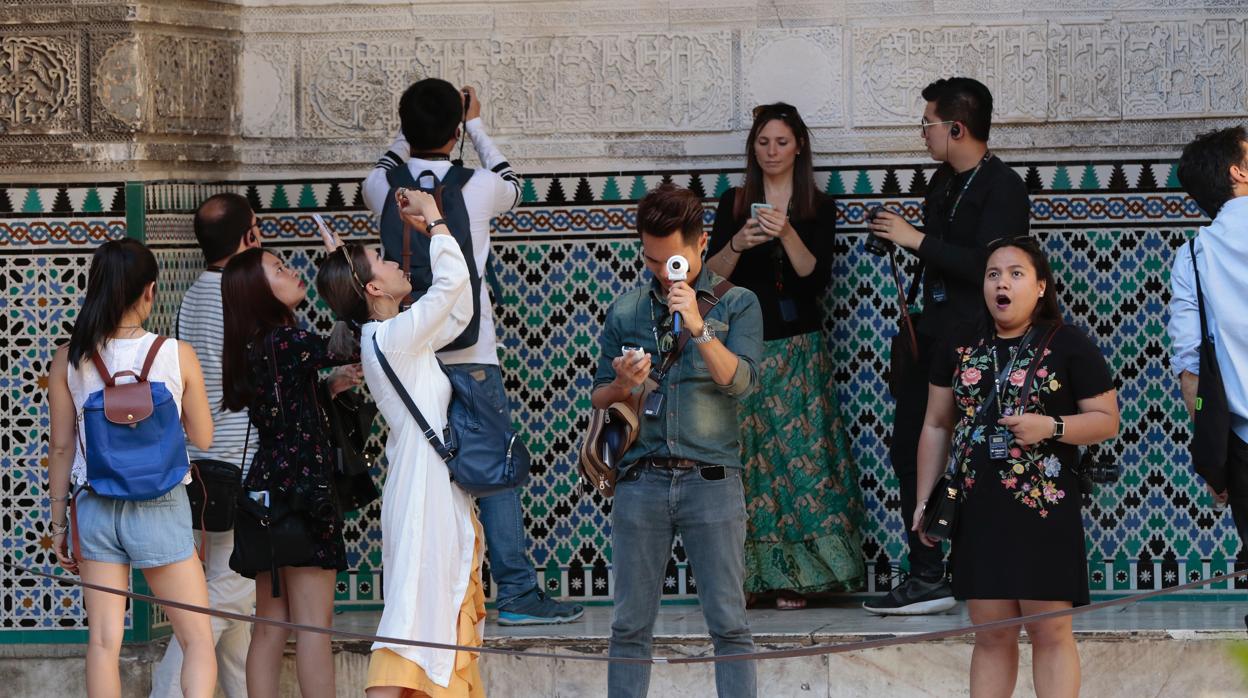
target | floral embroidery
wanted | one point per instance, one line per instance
(1028, 474)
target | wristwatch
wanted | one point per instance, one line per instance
(1059, 428)
(707, 334)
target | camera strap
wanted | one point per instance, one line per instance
(905, 301)
(705, 303)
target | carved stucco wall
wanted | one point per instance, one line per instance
(190, 89)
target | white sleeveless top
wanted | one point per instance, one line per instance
(122, 355)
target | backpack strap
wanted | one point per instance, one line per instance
(105, 375)
(151, 357)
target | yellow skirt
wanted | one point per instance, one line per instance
(387, 668)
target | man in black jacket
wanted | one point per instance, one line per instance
(973, 199)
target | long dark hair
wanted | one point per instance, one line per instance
(120, 271)
(340, 282)
(251, 313)
(803, 202)
(1047, 311)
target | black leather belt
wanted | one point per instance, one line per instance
(674, 463)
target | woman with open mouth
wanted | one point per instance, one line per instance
(1010, 403)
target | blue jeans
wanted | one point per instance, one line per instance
(651, 506)
(502, 519)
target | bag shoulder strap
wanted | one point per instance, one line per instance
(105, 375)
(904, 302)
(1200, 295)
(457, 176)
(445, 453)
(151, 357)
(705, 304)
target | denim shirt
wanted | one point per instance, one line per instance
(700, 419)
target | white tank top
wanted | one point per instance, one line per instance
(122, 355)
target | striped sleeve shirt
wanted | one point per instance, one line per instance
(200, 322)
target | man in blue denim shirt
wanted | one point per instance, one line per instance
(683, 474)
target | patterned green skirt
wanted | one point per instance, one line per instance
(802, 495)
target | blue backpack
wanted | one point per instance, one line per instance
(411, 249)
(133, 440)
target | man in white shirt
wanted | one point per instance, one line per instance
(224, 226)
(431, 113)
(1214, 171)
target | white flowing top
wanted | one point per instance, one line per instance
(427, 533)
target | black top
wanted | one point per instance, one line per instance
(791, 304)
(1020, 529)
(295, 457)
(995, 205)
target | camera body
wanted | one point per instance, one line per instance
(875, 244)
(1096, 468)
(677, 268)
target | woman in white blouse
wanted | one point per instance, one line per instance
(431, 540)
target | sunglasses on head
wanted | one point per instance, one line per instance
(778, 110)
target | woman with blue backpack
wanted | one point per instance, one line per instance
(431, 539)
(124, 403)
(288, 526)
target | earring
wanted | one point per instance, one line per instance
(1042, 294)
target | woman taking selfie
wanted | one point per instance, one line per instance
(430, 540)
(773, 235)
(1009, 405)
(271, 367)
(112, 535)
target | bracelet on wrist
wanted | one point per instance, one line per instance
(436, 223)
(732, 246)
(58, 499)
(58, 528)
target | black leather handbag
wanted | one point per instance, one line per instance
(213, 493)
(269, 536)
(940, 514)
(349, 420)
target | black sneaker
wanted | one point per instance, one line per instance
(536, 608)
(914, 597)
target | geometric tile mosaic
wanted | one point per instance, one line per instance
(559, 260)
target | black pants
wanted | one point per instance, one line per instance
(1237, 491)
(911, 399)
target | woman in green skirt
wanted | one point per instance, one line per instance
(773, 235)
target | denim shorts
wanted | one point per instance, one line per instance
(145, 534)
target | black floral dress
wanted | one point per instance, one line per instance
(1020, 528)
(294, 457)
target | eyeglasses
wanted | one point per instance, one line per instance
(924, 124)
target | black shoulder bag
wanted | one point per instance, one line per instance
(1211, 433)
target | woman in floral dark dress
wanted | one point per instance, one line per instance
(271, 367)
(1019, 547)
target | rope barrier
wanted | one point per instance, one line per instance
(811, 651)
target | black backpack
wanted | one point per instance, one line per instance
(411, 249)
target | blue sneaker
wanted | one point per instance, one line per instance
(535, 608)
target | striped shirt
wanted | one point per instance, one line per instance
(200, 322)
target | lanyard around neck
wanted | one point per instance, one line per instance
(953, 211)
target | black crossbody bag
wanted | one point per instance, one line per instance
(1211, 432)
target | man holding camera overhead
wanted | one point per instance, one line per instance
(699, 338)
(973, 199)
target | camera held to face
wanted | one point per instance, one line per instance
(677, 268)
(875, 244)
